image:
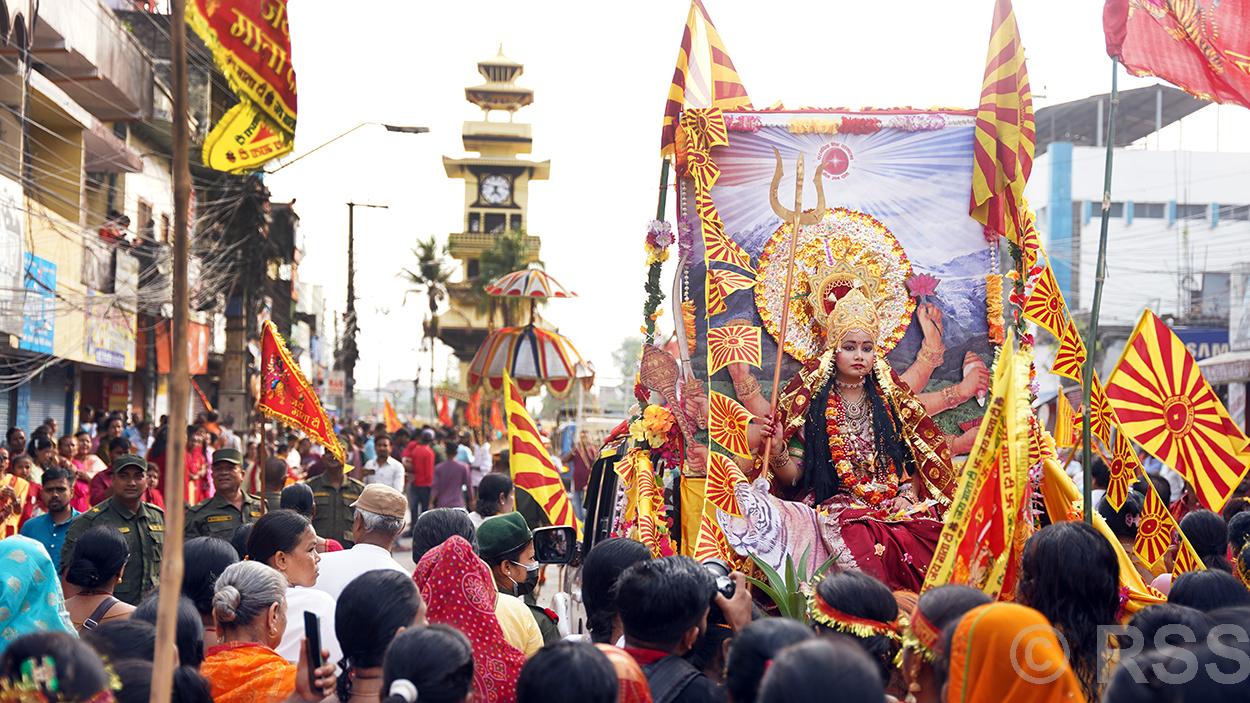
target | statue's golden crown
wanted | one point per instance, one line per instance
(848, 298)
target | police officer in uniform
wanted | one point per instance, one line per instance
(230, 507)
(333, 494)
(141, 524)
(506, 544)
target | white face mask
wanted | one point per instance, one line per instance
(521, 588)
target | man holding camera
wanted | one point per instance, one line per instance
(664, 606)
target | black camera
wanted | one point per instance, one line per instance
(720, 571)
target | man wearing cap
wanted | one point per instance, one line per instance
(379, 516)
(506, 544)
(141, 524)
(230, 507)
(333, 493)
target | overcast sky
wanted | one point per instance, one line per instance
(600, 72)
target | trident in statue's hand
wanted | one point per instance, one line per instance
(797, 218)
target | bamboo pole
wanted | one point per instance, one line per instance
(795, 222)
(1100, 276)
(179, 378)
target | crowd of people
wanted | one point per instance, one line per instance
(279, 532)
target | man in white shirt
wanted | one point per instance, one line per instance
(380, 513)
(384, 468)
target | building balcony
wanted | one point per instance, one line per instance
(471, 245)
(83, 48)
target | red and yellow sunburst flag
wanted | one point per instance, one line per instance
(1065, 422)
(1004, 137)
(532, 467)
(733, 344)
(721, 284)
(1155, 533)
(390, 417)
(1165, 405)
(704, 77)
(727, 424)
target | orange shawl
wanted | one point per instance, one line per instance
(1009, 652)
(633, 684)
(246, 672)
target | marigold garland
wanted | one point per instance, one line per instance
(865, 489)
(994, 308)
(688, 319)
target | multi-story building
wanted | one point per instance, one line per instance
(1179, 220)
(496, 195)
(86, 218)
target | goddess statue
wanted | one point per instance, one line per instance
(858, 470)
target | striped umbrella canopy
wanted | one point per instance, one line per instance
(528, 283)
(533, 357)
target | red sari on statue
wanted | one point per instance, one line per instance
(867, 511)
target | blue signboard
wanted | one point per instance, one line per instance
(39, 308)
(1203, 342)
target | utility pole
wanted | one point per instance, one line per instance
(350, 351)
(179, 378)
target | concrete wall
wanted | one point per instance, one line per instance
(1156, 249)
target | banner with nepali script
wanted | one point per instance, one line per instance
(978, 540)
(251, 44)
(243, 140)
(286, 396)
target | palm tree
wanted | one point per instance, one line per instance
(508, 254)
(432, 274)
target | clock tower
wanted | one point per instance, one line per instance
(496, 193)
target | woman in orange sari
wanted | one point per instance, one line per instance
(1008, 652)
(249, 607)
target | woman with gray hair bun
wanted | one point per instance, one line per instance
(249, 607)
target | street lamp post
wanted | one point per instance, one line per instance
(350, 351)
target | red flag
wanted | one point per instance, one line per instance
(286, 396)
(444, 409)
(1202, 47)
(473, 413)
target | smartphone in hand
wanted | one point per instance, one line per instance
(312, 641)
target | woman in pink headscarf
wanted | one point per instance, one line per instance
(458, 590)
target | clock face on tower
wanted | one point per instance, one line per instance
(495, 189)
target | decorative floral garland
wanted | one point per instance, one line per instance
(688, 322)
(743, 123)
(849, 124)
(865, 489)
(659, 238)
(921, 636)
(835, 619)
(994, 308)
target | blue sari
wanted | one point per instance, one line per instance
(30, 592)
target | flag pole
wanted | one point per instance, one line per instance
(179, 375)
(1100, 276)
